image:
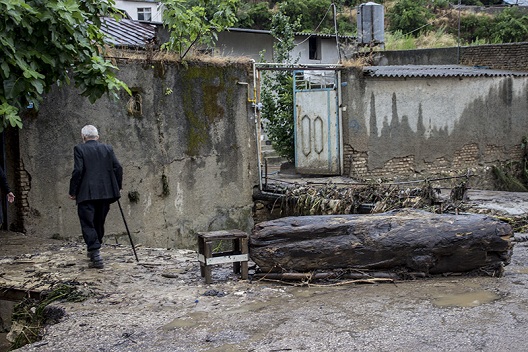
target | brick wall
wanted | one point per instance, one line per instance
(24, 186)
(511, 56)
(498, 56)
(466, 160)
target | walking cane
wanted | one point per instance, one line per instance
(129, 237)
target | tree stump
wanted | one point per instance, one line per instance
(403, 240)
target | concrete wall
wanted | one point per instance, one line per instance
(189, 154)
(249, 44)
(439, 56)
(417, 127)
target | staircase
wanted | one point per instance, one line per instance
(271, 157)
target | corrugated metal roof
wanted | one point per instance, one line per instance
(127, 33)
(516, 2)
(438, 71)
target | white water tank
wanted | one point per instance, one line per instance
(370, 23)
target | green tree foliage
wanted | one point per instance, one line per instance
(510, 26)
(310, 13)
(277, 88)
(193, 22)
(475, 27)
(254, 16)
(313, 15)
(409, 17)
(415, 17)
(50, 42)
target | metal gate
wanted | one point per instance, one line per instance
(316, 121)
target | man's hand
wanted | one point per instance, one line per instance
(72, 197)
(10, 197)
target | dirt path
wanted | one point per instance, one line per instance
(162, 304)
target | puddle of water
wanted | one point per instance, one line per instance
(255, 306)
(191, 320)
(468, 299)
(179, 323)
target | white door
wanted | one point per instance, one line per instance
(317, 142)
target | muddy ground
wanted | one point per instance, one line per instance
(162, 304)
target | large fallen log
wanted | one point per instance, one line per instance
(400, 240)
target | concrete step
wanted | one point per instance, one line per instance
(275, 160)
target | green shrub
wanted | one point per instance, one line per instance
(409, 17)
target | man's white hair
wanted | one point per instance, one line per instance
(90, 132)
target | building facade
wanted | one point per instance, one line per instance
(146, 10)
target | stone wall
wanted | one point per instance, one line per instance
(186, 140)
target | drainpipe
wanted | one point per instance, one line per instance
(256, 112)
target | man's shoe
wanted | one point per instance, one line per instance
(96, 265)
(96, 261)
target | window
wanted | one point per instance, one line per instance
(314, 49)
(144, 13)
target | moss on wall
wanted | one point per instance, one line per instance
(200, 113)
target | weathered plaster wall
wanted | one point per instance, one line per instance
(190, 155)
(429, 126)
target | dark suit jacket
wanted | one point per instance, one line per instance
(96, 174)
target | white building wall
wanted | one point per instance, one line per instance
(327, 51)
(131, 7)
(252, 43)
(249, 44)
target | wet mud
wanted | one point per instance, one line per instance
(161, 303)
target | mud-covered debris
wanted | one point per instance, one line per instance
(214, 293)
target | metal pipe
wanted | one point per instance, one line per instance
(336, 35)
(256, 115)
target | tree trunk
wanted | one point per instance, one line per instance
(400, 240)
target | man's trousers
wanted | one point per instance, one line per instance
(92, 214)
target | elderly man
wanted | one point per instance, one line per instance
(95, 183)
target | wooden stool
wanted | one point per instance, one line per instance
(239, 256)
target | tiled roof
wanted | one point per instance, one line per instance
(127, 33)
(438, 71)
